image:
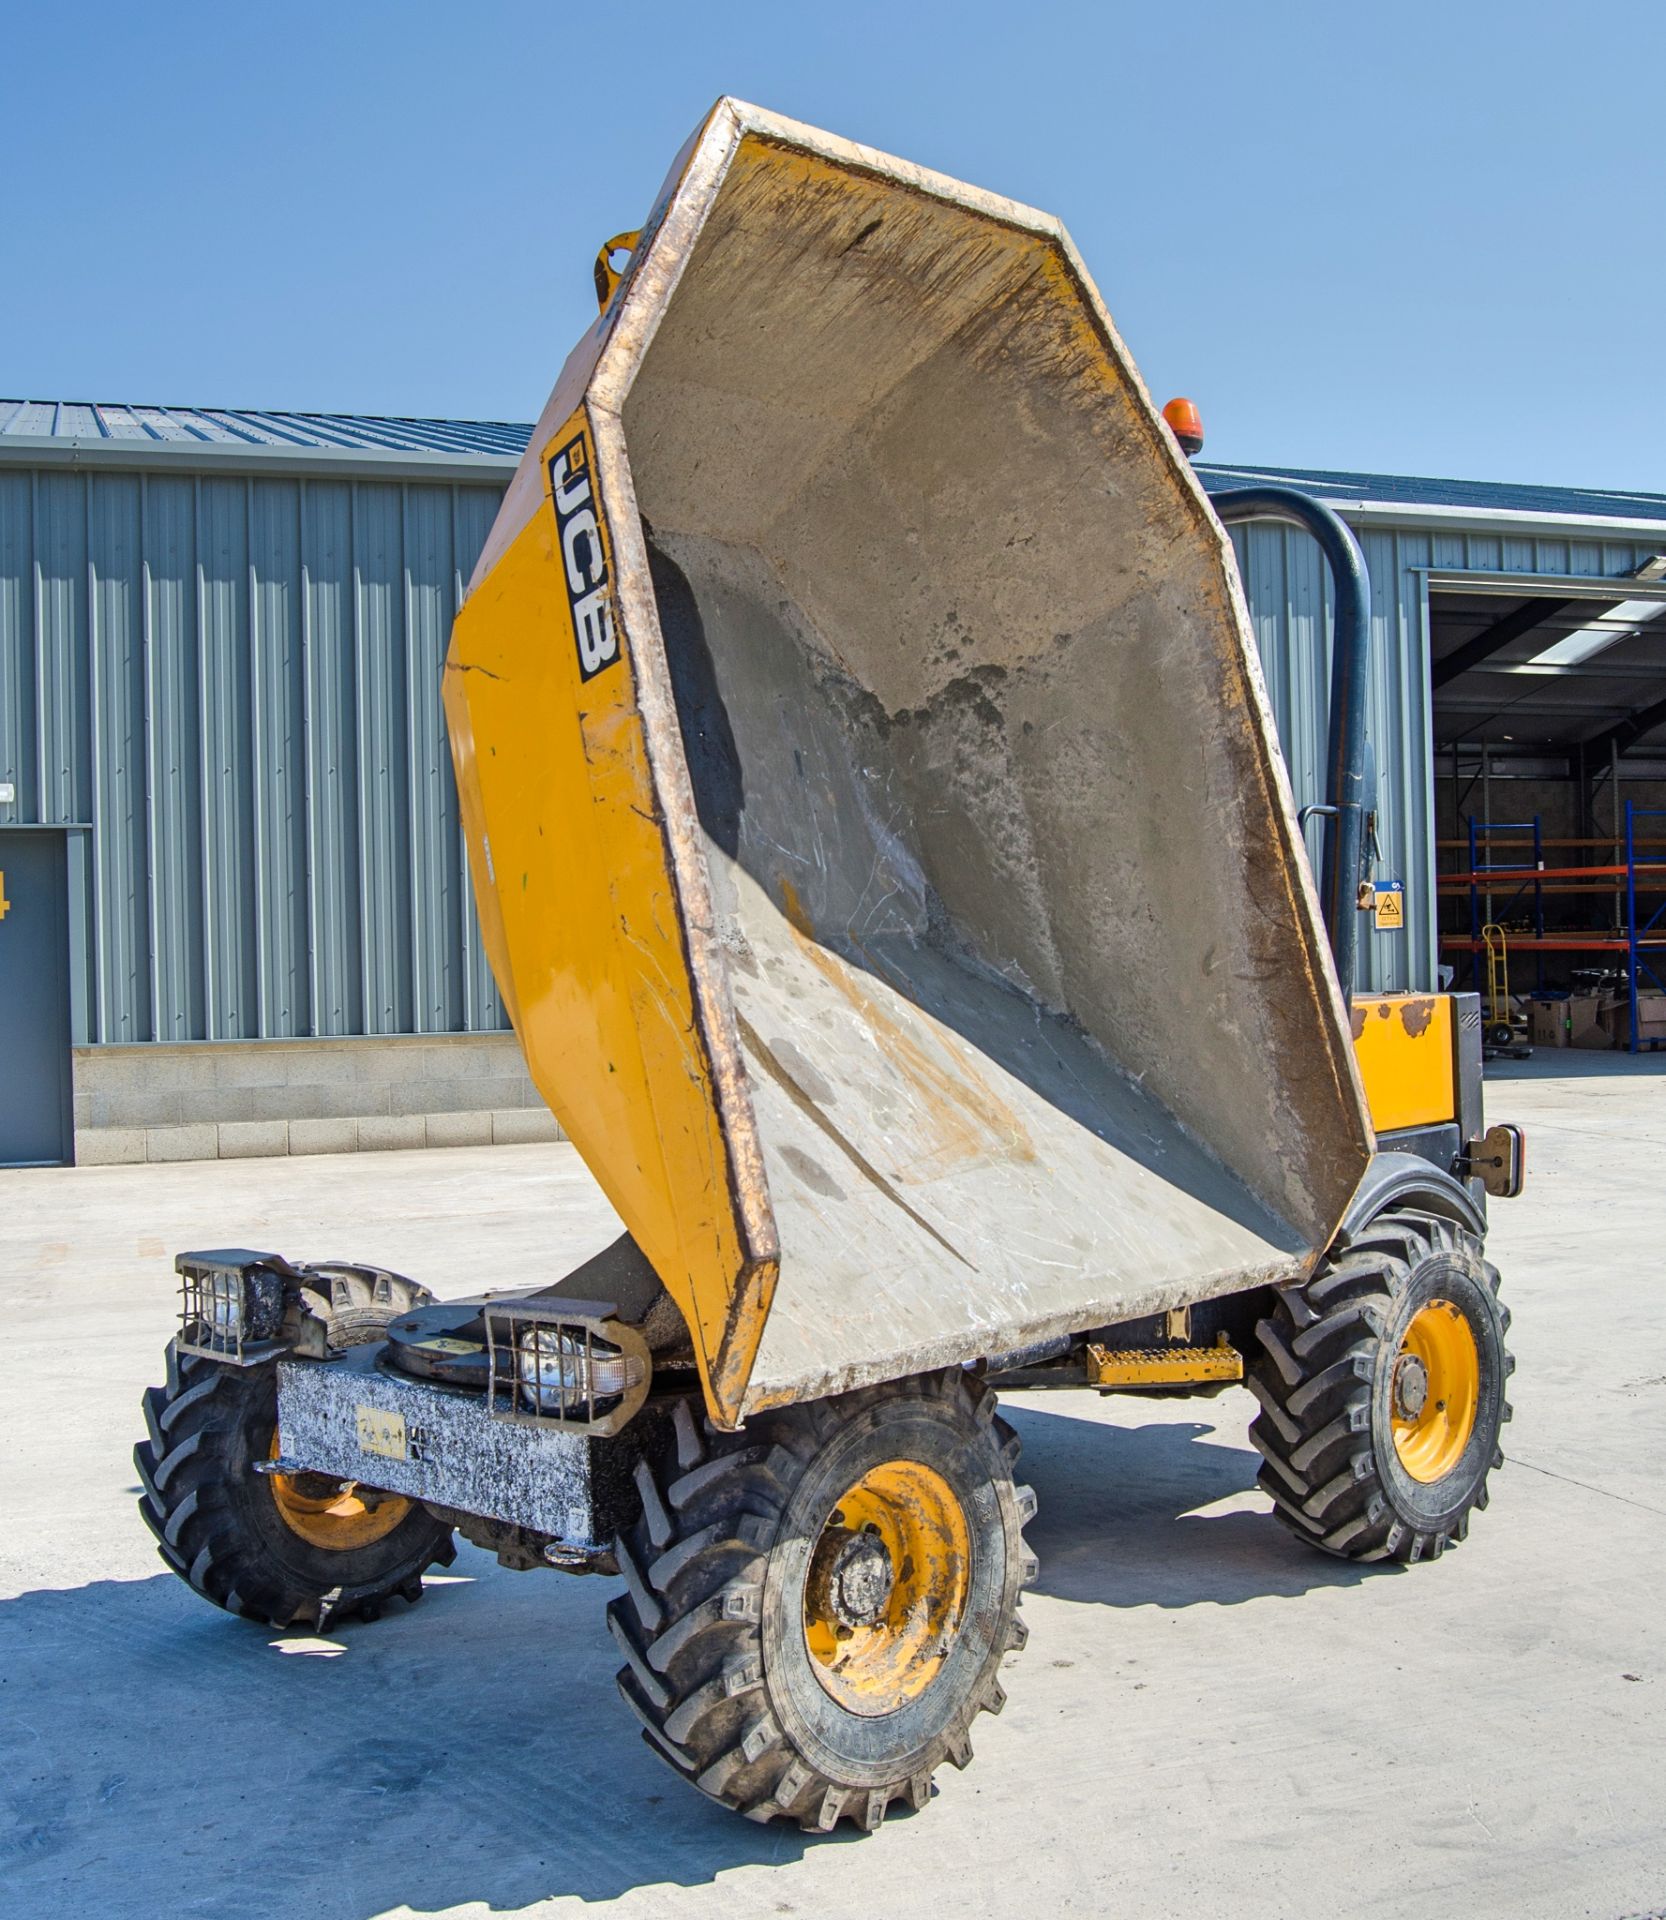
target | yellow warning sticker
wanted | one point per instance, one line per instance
(381, 1432)
(1391, 905)
(443, 1344)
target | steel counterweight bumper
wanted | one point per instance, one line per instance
(354, 1420)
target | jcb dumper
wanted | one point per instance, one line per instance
(884, 852)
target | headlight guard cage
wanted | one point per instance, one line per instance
(231, 1304)
(564, 1363)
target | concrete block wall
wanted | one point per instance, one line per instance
(238, 1099)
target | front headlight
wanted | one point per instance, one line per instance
(561, 1371)
(225, 1306)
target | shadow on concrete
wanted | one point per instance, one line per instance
(1117, 1525)
(158, 1758)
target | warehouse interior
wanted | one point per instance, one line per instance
(1549, 716)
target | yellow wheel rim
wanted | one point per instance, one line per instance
(1436, 1390)
(336, 1520)
(885, 1596)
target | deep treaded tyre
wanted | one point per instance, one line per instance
(1381, 1383)
(277, 1548)
(816, 1609)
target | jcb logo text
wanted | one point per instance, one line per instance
(584, 558)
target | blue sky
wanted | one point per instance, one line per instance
(1413, 237)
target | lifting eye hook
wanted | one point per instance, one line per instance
(608, 277)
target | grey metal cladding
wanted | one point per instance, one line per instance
(278, 730)
(332, 756)
(1292, 606)
(230, 679)
(61, 647)
(18, 707)
(117, 719)
(230, 890)
(220, 644)
(173, 758)
(384, 822)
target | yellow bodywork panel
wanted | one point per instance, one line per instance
(579, 911)
(1403, 1043)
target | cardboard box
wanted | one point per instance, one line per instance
(1586, 1026)
(1651, 1018)
(1550, 1024)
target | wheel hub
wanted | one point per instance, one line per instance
(886, 1591)
(1435, 1391)
(330, 1514)
(851, 1576)
(1411, 1386)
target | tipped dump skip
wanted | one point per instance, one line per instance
(922, 840)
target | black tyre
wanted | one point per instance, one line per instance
(356, 1303)
(278, 1548)
(1381, 1383)
(817, 1609)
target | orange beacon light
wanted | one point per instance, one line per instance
(1186, 423)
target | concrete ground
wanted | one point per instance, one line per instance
(1209, 1719)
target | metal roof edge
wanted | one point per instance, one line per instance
(1495, 519)
(1477, 517)
(1566, 586)
(214, 456)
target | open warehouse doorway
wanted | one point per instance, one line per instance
(1549, 713)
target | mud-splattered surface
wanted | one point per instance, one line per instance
(958, 1159)
(522, 1474)
(955, 655)
(1208, 1719)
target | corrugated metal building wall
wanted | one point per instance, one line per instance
(220, 648)
(230, 682)
(1292, 608)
